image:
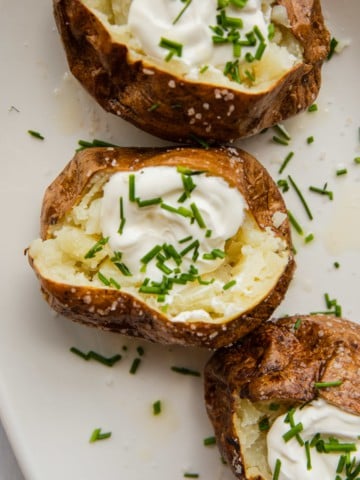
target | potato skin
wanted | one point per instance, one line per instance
(130, 88)
(117, 311)
(280, 363)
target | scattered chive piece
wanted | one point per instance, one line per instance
(280, 141)
(277, 469)
(357, 160)
(229, 285)
(153, 107)
(208, 233)
(342, 171)
(157, 407)
(191, 475)
(203, 69)
(283, 184)
(186, 371)
(114, 283)
(309, 238)
(341, 464)
(209, 441)
(97, 435)
(336, 264)
(339, 447)
(295, 223)
(292, 432)
(285, 162)
(297, 324)
(149, 202)
(200, 141)
(140, 350)
(132, 187)
(103, 279)
(95, 143)
(151, 254)
(197, 215)
(336, 383)
(186, 239)
(122, 218)
(175, 48)
(313, 108)
(264, 424)
(108, 361)
(333, 44)
(308, 456)
(310, 140)
(35, 134)
(300, 195)
(187, 3)
(322, 191)
(135, 365)
(96, 248)
(281, 130)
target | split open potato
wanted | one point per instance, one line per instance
(203, 296)
(218, 99)
(283, 366)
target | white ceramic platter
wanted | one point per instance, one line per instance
(50, 400)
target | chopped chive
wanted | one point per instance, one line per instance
(97, 435)
(229, 285)
(94, 143)
(164, 268)
(292, 432)
(194, 245)
(271, 31)
(157, 407)
(174, 48)
(151, 254)
(301, 197)
(309, 238)
(280, 141)
(135, 365)
(310, 140)
(283, 184)
(103, 279)
(114, 283)
(336, 264)
(313, 108)
(277, 469)
(250, 76)
(187, 3)
(108, 361)
(260, 51)
(153, 107)
(122, 218)
(264, 424)
(186, 239)
(295, 223)
(200, 141)
(96, 248)
(186, 371)
(122, 267)
(322, 191)
(209, 441)
(339, 447)
(335, 383)
(357, 160)
(285, 162)
(36, 134)
(297, 324)
(203, 69)
(333, 44)
(149, 202)
(140, 350)
(191, 475)
(197, 215)
(132, 187)
(341, 464)
(308, 456)
(281, 130)
(208, 233)
(342, 171)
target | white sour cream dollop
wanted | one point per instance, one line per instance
(221, 208)
(317, 417)
(149, 21)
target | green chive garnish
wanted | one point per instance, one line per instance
(264, 424)
(322, 191)
(335, 383)
(91, 355)
(280, 141)
(333, 44)
(103, 279)
(295, 223)
(285, 162)
(297, 324)
(301, 197)
(151, 254)
(132, 187)
(296, 429)
(191, 475)
(174, 48)
(186, 371)
(209, 441)
(313, 108)
(341, 171)
(229, 285)
(157, 407)
(309, 238)
(357, 160)
(135, 365)
(96, 248)
(36, 134)
(187, 3)
(308, 456)
(97, 435)
(122, 218)
(153, 107)
(277, 469)
(310, 140)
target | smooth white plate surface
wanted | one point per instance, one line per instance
(50, 400)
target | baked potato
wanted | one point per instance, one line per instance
(185, 71)
(202, 265)
(306, 365)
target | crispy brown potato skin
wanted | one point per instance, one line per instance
(120, 312)
(279, 363)
(125, 87)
